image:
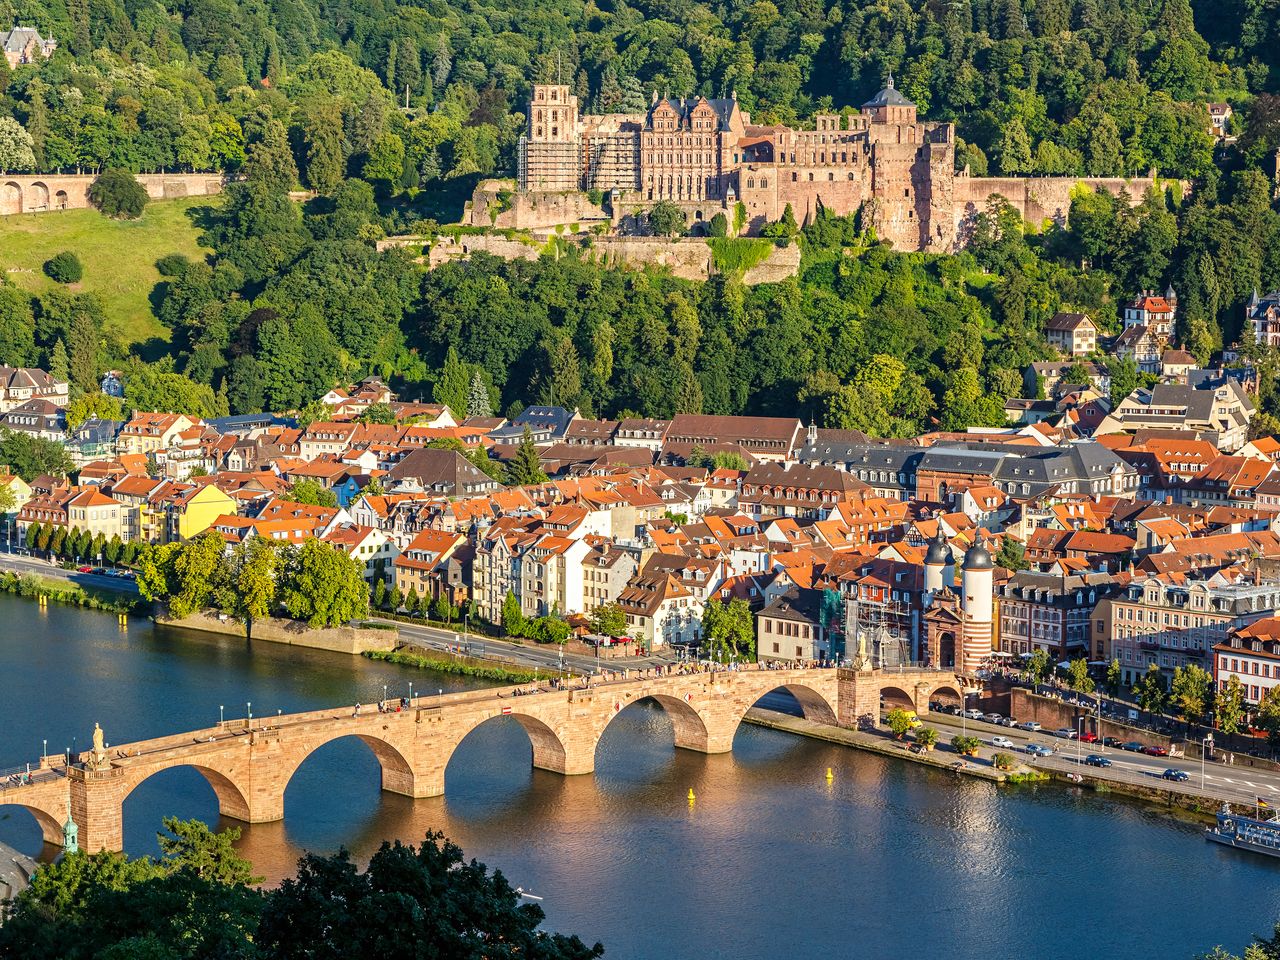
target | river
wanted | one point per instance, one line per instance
(888, 859)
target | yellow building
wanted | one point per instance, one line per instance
(192, 511)
(20, 489)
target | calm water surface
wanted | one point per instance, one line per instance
(770, 861)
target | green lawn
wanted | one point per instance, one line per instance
(119, 257)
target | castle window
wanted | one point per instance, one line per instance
(751, 182)
(764, 182)
(831, 176)
(538, 132)
(555, 94)
(794, 176)
(811, 178)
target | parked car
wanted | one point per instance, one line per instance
(1178, 776)
(1088, 737)
(1112, 742)
(1008, 722)
(1156, 751)
(1066, 733)
(999, 741)
(1036, 750)
(973, 714)
(1094, 760)
(1030, 725)
(1133, 746)
(993, 717)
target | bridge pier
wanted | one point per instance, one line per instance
(97, 806)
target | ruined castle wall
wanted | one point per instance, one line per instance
(1038, 199)
(38, 193)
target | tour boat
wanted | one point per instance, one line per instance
(1246, 833)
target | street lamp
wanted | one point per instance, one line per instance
(384, 694)
(411, 693)
(248, 710)
(221, 708)
(44, 750)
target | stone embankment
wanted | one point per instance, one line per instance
(345, 639)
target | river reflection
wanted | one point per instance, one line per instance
(770, 860)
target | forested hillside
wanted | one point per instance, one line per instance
(310, 93)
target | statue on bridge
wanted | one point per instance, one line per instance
(99, 755)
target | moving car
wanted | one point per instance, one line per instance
(1036, 750)
(1030, 725)
(1177, 776)
(999, 741)
(1095, 760)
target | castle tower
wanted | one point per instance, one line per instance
(938, 563)
(548, 157)
(978, 571)
(890, 106)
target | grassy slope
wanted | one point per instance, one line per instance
(119, 256)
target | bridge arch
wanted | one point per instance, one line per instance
(233, 801)
(553, 749)
(10, 198)
(47, 820)
(397, 773)
(815, 705)
(688, 726)
(893, 696)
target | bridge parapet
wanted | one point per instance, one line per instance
(249, 764)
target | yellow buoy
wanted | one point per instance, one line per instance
(691, 796)
(830, 775)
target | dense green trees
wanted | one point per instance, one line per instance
(199, 901)
(314, 582)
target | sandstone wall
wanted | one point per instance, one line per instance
(1038, 199)
(688, 258)
(40, 193)
(497, 204)
(350, 640)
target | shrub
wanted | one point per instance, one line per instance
(172, 265)
(64, 267)
(899, 722)
(966, 745)
(927, 736)
(719, 226)
(118, 194)
(1003, 761)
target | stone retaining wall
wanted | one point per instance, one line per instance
(344, 639)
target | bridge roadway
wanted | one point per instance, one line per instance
(249, 763)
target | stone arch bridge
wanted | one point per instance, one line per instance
(249, 763)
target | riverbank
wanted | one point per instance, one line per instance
(33, 586)
(344, 639)
(1181, 800)
(873, 743)
(458, 666)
